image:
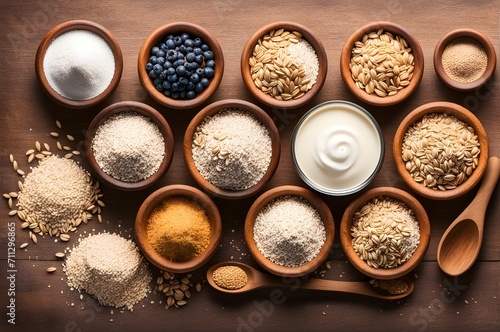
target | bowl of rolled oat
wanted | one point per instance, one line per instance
(385, 233)
(284, 65)
(382, 63)
(440, 149)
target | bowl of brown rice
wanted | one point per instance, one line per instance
(440, 150)
(385, 233)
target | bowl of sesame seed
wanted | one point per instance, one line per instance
(382, 63)
(232, 148)
(129, 145)
(284, 65)
(289, 231)
(385, 233)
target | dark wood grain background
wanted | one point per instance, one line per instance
(44, 302)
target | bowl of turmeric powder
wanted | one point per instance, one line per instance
(178, 228)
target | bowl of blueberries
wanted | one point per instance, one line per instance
(180, 65)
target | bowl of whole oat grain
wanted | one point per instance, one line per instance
(385, 233)
(284, 65)
(440, 150)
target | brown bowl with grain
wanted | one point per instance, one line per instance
(385, 233)
(284, 65)
(382, 63)
(441, 149)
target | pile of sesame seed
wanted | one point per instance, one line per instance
(110, 268)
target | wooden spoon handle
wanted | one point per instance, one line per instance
(488, 184)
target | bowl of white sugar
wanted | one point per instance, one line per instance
(289, 231)
(232, 148)
(79, 64)
(129, 145)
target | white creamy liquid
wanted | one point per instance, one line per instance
(337, 147)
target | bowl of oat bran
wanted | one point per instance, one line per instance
(440, 150)
(284, 65)
(385, 233)
(232, 148)
(289, 231)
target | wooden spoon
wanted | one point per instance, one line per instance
(461, 242)
(257, 280)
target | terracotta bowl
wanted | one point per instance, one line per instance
(317, 203)
(346, 237)
(267, 99)
(460, 113)
(178, 28)
(78, 25)
(490, 53)
(212, 109)
(374, 99)
(141, 223)
(140, 108)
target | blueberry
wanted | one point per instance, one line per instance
(188, 66)
(194, 78)
(205, 47)
(167, 93)
(197, 42)
(163, 74)
(175, 95)
(208, 55)
(198, 88)
(177, 40)
(160, 54)
(181, 70)
(191, 85)
(171, 55)
(153, 59)
(185, 36)
(194, 66)
(172, 78)
(200, 71)
(210, 63)
(188, 43)
(167, 85)
(197, 51)
(160, 61)
(178, 62)
(149, 66)
(158, 68)
(209, 72)
(167, 64)
(180, 55)
(180, 87)
(152, 74)
(170, 44)
(191, 57)
(189, 49)
(171, 71)
(183, 80)
(190, 94)
(154, 50)
(169, 37)
(159, 87)
(204, 82)
(156, 81)
(182, 95)
(163, 47)
(175, 86)
(199, 59)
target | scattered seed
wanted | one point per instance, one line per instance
(38, 146)
(12, 213)
(11, 158)
(59, 254)
(65, 237)
(71, 138)
(54, 134)
(51, 269)
(24, 245)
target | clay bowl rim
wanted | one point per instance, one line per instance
(315, 201)
(140, 108)
(154, 39)
(373, 99)
(316, 186)
(460, 113)
(346, 238)
(140, 227)
(309, 36)
(488, 47)
(212, 109)
(70, 26)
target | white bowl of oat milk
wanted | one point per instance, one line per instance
(337, 148)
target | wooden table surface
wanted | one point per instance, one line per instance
(43, 301)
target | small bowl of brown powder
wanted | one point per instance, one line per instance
(464, 59)
(385, 233)
(178, 228)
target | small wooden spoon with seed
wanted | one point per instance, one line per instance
(257, 280)
(461, 242)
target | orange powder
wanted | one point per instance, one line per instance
(179, 229)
